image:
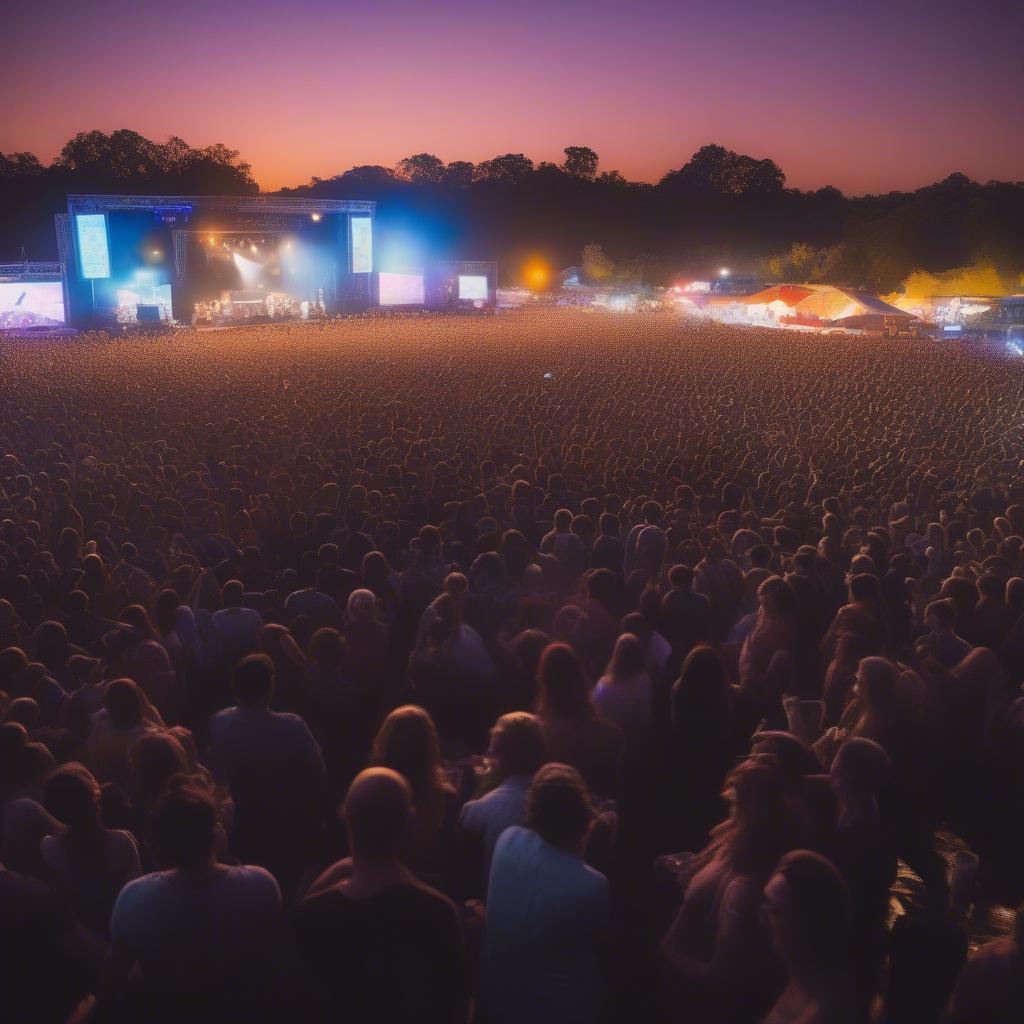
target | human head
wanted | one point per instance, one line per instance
(517, 744)
(253, 680)
(860, 766)
(123, 703)
(155, 759)
(232, 594)
(52, 643)
(764, 821)
(807, 906)
(681, 577)
(940, 616)
(362, 606)
(652, 513)
(185, 827)
(558, 806)
(776, 597)
(864, 587)
(702, 679)
(561, 684)
(72, 796)
(325, 646)
(136, 616)
(876, 684)
(628, 658)
(377, 811)
(407, 742)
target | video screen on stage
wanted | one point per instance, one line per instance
(362, 245)
(93, 245)
(31, 304)
(473, 286)
(145, 293)
(401, 289)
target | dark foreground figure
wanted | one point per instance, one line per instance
(364, 673)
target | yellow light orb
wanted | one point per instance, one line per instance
(537, 274)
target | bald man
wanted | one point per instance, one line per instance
(383, 946)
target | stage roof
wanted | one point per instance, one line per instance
(241, 204)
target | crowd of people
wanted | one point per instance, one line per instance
(552, 667)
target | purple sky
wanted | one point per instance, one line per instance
(867, 96)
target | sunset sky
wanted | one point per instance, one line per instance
(867, 96)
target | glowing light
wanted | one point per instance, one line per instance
(473, 287)
(724, 272)
(93, 245)
(400, 289)
(361, 232)
(314, 216)
(213, 241)
(252, 248)
(156, 253)
(537, 274)
(248, 270)
(1014, 348)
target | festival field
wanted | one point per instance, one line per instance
(649, 401)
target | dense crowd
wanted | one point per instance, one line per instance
(551, 667)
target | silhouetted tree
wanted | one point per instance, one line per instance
(510, 169)
(719, 207)
(459, 173)
(714, 168)
(422, 167)
(580, 162)
(19, 165)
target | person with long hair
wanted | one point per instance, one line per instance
(573, 732)
(624, 694)
(715, 949)
(807, 909)
(703, 744)
(407, 742)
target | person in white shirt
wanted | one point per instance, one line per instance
(547, 911)
(516, 751)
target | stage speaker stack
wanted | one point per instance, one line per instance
(147, 314)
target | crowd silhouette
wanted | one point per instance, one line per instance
(557, 666)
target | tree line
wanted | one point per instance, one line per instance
(719, 207)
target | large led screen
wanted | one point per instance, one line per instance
(31, 304)
(473, 286)
(93, 247)
(401, 289)
(362, 245)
